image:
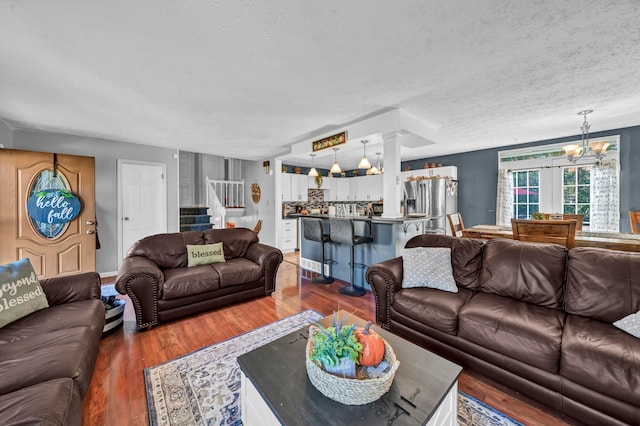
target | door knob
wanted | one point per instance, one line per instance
(125, 218)
(90, 222)
(90, 231)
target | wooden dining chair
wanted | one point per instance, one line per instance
(579, 218)
(634, 218)
(455, 222)
(561, 232)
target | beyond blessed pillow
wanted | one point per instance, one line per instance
(428, 267)
(20, 291)
(630, 324)
(204, 254)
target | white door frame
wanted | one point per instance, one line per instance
(120, 202)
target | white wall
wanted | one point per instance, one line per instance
(5, 135)
(106, 153)
(265, 209)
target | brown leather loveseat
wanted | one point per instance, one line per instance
(533, 316)
(162, 287)
(47, 357)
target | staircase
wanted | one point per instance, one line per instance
(194, 219)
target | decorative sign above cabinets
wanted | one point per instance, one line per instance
(331, 141)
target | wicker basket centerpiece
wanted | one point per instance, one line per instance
(364, 388)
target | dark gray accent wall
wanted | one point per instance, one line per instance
(478, 176)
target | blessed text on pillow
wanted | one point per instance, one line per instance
(204, 254)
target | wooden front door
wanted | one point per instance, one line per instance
(54, 249)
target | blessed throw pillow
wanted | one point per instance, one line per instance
(428, 267)
(20, 291)
(630, 324)
(204, 254)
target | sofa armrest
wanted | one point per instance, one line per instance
(141, 279)
(385, 278)
(269, 258)
(71, 288)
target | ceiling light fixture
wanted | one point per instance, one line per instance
(313, 172)
(575, 151)
(364, 162)
(336, 167)
(376, 169)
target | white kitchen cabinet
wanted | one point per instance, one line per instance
(289, 235)
(447, 171)
(367, 188)
(286, 187)
(299, 187)
(294, 187)
(340, 189)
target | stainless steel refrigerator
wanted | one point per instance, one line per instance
(435, 198)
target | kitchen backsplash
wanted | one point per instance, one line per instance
(315, 201)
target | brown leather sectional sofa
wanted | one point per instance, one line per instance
(533, 316)
(47, 358)
(162, 288)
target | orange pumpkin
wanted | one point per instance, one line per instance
(372, 346)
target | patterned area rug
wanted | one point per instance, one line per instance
(203, 387)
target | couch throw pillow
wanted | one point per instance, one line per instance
(204, 254)
(20, 291)
(630, 324)
(428, 267)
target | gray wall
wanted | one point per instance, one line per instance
(106, 153)
(5, 134)
(478, 176)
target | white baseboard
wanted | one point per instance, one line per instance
(108, 274)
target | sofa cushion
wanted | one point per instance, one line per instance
(204, 254)
(20, 291)
(530, 272)
(466, 255)
(55, 402)
(183, 282)
(435, 308)
(61, 353)
(237, 272)
(529, 333)
(166, 250)
(603, 284)
(428, 267)
(89, 313)
(236, 241)
(600, 357)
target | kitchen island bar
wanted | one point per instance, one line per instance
(389, 236)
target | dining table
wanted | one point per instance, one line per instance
(608, 240)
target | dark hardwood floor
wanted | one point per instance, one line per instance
(117, 393)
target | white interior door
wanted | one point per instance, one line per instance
(143, 202)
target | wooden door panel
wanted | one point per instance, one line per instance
(73, 250)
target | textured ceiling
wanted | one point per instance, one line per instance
(247, 79)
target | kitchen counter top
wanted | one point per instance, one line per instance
(374, 219)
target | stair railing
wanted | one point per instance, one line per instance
(223, 194)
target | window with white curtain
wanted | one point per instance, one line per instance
(545, 181)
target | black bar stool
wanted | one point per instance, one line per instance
(314, 231)
(342, 231)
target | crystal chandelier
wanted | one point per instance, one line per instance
(576, 151)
